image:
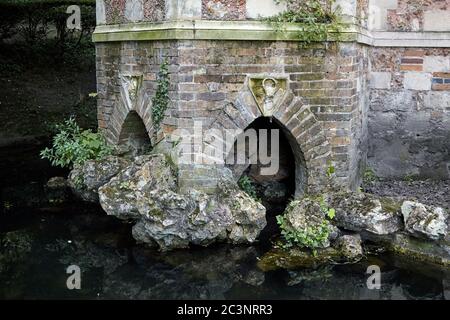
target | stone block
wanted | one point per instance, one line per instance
(436, 64)
(417, 81)
(378, 13)
(183, 9)
(380, 80)
(100, 12)
(348, 7)
(436, 20)
(134, 10)
(268, 8)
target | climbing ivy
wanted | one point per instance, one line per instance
(318, 21)
(160, 101)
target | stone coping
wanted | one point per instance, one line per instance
(259, 31)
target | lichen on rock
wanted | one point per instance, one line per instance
(85, 179)
(357, 211)
(425, 221)
(146, 192)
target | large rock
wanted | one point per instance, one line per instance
(425, 221)
(346, 249)
(120, 196)
(85, 179)
(306, 215)
(363, 212)
(350, 247)
(146, 192)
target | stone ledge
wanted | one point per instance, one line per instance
(205, 30)
(258, 31)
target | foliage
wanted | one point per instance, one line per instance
(318, 21)
(331, 170)
(246, 185)
(31, 21)
(160, 101)
(313, 236)
(369, 176)
(72, 145)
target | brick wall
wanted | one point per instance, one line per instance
(207, 77)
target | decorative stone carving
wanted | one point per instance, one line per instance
(268, 93)
(131, 85)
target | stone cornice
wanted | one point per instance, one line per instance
(259, 31)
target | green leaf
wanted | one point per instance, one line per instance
(331, 213)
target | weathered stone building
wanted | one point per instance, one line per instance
(379, 97)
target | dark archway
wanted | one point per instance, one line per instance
(276, 190)
(134, 136)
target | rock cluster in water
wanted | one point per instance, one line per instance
(145, 191)
(405, 227)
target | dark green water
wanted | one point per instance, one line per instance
(39, 242)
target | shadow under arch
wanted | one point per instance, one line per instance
(289, 180)
(133, 135)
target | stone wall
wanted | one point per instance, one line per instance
(409, 119)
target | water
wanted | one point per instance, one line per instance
(39, 242)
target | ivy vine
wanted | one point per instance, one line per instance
(318, 21)
(160, 101)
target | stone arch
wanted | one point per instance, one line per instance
(134, 134)
(134, 101)
(305, 132)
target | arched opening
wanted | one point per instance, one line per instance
(134, 138)
(273, 188)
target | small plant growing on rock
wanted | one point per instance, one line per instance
(72, 145)
(246, 185)
(318, 21)
(369, 176)
(313, 233)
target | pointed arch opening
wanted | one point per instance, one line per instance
(134, 137)
(274, 188)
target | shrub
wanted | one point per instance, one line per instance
(72, 145)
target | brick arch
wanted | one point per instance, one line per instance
(121, 111)
(300, 125)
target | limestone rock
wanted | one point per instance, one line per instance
(350, 247)
(306, 214)
(363, 212)
(420, 249)
(248, 216)
(85, 179)
(146, 192)
(425, 221)
(119, 197)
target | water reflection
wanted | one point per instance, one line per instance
(33, 262)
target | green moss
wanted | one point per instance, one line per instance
(390, 205)
(296, 258)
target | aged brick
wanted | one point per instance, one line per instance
(411, 67)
